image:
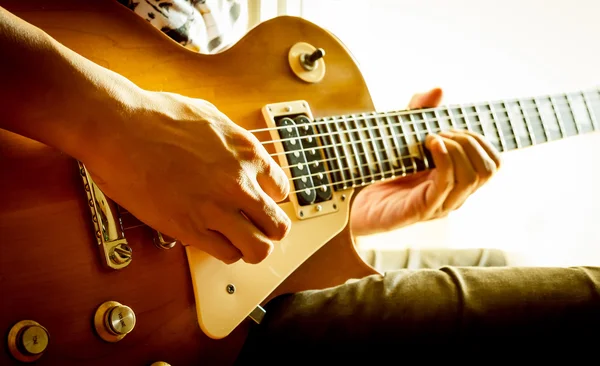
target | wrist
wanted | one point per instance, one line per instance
(97, 107)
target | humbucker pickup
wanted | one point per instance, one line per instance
(305, 159)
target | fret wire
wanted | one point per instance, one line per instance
(512, 127)
(376, 155)
(368, 155)
(354, 150)
(480, 113)
(527, 123)
(427, 121)
(570, 105)
(403, 133)
(499, 132)
(341, 182)
(348, 170)
(344, 180)
(398, 149)
(385, 131)
(537, 110)
(397, 135)
(400, 112)
(388, 150)
(465, 117)
(364, 154)
(437, 117)
(451, 117)
(334, 149)
(415, 125)
(315, 123)
(360, 157)
(544, 125)
(588, 106)
(563, 132)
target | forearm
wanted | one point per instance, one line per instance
(53, 95)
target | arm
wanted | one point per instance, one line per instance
(53, 95)
(139, 146)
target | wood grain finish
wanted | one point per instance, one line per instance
(50, 270)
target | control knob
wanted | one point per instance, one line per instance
(27, 340)
(113, 321)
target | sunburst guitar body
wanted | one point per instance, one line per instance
(71, 261)
(83, 282)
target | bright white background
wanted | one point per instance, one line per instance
(543, 207)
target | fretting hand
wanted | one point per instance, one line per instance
(464, 162)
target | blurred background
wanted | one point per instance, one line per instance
(543, 207)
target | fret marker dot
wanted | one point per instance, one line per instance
(289, 129)
(313, 151)
(309, 139)
(316, 164)
(304, 179)
(324, 188)
(296, 154)
(293, 141)
(320, 175)
(300, 166)
(307, 191)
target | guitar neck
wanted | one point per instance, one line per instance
(364, 148)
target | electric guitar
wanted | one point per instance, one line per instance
(83, 282)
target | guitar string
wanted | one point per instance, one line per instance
(519, 101)
(404, 169)
(400, 171)
(352, 144)
(451, 118)
(392, 136)
(400, 123)
(375, 151)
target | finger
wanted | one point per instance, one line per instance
(253, 245)
(465, 176)
(266, 215)
(272, 179)
(429, 99)
(214, 244)
(492, 152)
(443, 181)
(482, 163)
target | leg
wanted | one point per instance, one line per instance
(415, 258)
(500, 309)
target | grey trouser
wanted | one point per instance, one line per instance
(449, 313)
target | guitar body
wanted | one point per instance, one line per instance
(50, 267)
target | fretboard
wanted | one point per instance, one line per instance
(365, 148)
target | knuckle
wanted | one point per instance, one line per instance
(230, 257)
(280, 221)
(490, 169)
(284, 225)
(473, 181)
(261, 248)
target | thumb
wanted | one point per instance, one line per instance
(429, 99)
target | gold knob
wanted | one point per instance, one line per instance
(27, 340)
(113, 321)
(160, 363)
